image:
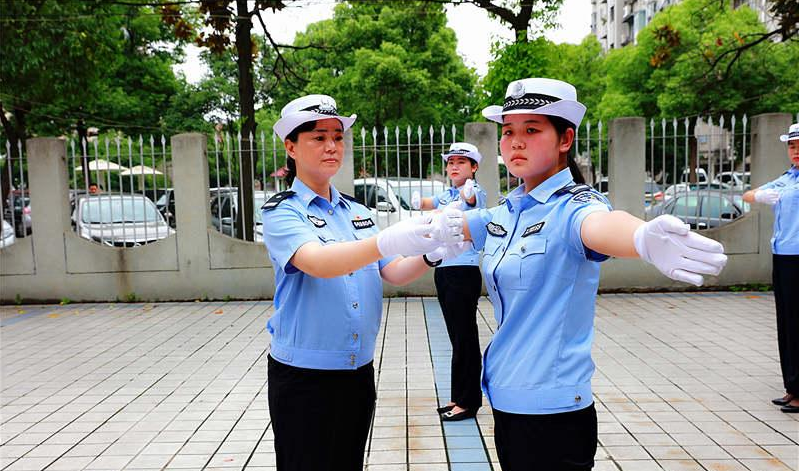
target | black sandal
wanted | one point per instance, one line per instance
(450, 416)
(442, 410)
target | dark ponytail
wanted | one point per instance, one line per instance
(561, 125)
(291, 164)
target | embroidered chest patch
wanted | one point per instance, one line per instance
(318, 222)
(534, 229)
(363, 223)
(496, 230)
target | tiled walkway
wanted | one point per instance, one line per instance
(682, 383)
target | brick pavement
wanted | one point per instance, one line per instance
(682, 383)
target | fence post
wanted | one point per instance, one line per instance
(343, 180)
(626, 164)
(769, 158)
(192, 202)
(49, 193)
(484, 137)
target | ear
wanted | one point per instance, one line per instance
(290, 147)
(566, 140)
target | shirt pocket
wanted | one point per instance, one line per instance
(491, 248)
(527, 261)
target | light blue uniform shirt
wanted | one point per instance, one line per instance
(542, 282)
(471, 257)
(785, 240)
(321, 323)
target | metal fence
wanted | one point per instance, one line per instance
(119, 192)
(15, 209)
(390, 165)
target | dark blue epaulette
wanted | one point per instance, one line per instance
(574, 189)
(349, 198)
(275, 200)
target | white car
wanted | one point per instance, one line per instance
(701, 176)
(119, 220)
(390, 198)
(7, 236)
(734, 180)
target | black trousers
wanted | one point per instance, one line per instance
(551, 442)
(785, 276)
(320, 418)
(458, 289)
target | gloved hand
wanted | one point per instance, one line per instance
(769, 197)
(448, 252)
(468, 189)
(448, 226)
(410, 237)
(682, 255)
(416, 200)
(457, 204)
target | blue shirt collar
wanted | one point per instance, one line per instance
(542, 192)
(793, 171)
(307, 196)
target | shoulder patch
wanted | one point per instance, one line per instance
(496, 230)
(275, 200)
(587, 197)
(575, 189)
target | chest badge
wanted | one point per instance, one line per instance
(534, 229)
(359, 223)
(496, 230)
(318, 222)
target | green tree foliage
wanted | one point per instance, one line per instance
(392, 63)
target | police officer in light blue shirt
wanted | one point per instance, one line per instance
(541, 251)
(458, 285)
(329, 259)
(783, 195)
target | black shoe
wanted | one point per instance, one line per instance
(789, 409)
(444, 409)
(450, 416)
(782, 401)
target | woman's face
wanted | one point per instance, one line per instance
(793, 152)
(460, 169)
(318, 153)
(531, 147)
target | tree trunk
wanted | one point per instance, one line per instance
(244, 216)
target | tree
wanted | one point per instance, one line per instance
(518, 14)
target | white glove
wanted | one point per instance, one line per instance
(448, 252)
(457, 204)
(416, 200)
(682, 255)
(448, 226)
(468, 189)
(408, 238)
(769, 197)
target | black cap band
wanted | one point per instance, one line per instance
(529, 101)
(330, 110)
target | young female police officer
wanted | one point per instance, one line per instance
(329, 259)
(783, 195)
(541, 249)
(458, 285)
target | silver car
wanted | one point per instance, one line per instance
(119, 220)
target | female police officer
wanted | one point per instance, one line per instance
(541, 249)
(458, 285)
(783, 195)
(329, 259)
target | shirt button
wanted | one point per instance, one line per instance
(330, 212)
(352, 357)
(352, 274)
(355, 305)
(578, 398)
(524, 249)
(355, 336)
(495, 287)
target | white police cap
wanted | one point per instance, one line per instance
(309, 108)
(539, 96)
(793, 133)
(462, 149)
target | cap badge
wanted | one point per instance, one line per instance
(518, 90)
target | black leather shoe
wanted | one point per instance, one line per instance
(789, 409)
(444, 409)
(450, 416)
(782, 401)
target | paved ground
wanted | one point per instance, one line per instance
(682, 383)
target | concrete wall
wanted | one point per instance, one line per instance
(199, 262)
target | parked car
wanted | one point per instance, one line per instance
(734, 180)
(390, 198)
(673, 190)
(17, 210)
(224, 210)
(701, 176)
(652, 191)
(703, 209)
(7, 236)
(166, 206)
(119, 220)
